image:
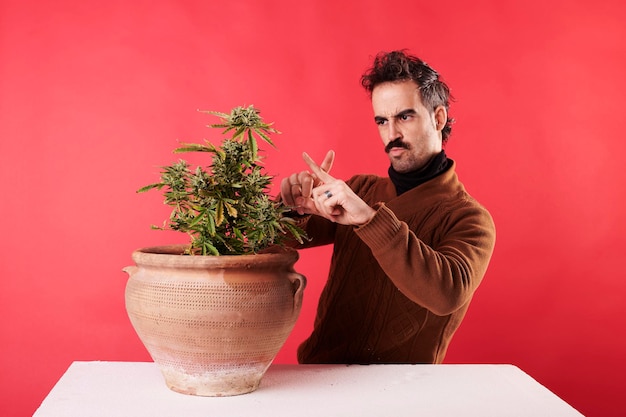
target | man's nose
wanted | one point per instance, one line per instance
(393, 132)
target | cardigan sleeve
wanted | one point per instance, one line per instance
(443, 278)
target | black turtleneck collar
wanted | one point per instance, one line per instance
(408, 180)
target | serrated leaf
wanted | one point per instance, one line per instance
(219, 213)
(239, 132)
(211, 224)
(197, 219)
(217, 125)
(265, 137)
(195, 147)
(295, 231)
(254, 148)
(207, 248)
(289, 220)
(157, 185)
(232, 211)
(215, 113)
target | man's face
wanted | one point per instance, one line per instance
(411, 134)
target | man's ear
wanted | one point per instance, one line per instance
(441, 117)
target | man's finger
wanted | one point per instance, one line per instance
(321, 174)
(285, 191)
(307, 186)
(327, 163)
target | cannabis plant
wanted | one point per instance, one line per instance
(225, 208)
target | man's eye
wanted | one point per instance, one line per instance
(405, 117)
(380, 122)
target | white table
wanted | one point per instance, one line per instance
(137, 389)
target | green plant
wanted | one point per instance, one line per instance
(226, 209)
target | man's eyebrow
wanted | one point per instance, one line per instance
(407, 112)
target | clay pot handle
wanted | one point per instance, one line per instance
(298, 282)
(130, 270)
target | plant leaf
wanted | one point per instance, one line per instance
(207, 248)
(195, 147)
(254, 148)
(265, 137)
(219, 213)
(232, 211)
(211, 224)
(157, 185)
(239, 132)
(196, 220)
(215, 113)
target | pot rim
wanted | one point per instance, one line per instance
(172, 256)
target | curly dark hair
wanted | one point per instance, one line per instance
(400, 66)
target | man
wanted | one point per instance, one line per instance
(409, 250)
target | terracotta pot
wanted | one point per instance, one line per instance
(213, 324)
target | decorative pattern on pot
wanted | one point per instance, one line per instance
(213, 324)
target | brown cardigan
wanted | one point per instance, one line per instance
(399, 286)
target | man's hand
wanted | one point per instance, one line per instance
(332, 198)
(299, 186)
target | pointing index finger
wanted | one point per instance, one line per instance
(321, 174)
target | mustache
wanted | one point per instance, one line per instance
(396, 143)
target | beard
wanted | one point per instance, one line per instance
(408, 161)
(400, 164)
(405, 165)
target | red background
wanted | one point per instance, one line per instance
(94, 95)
